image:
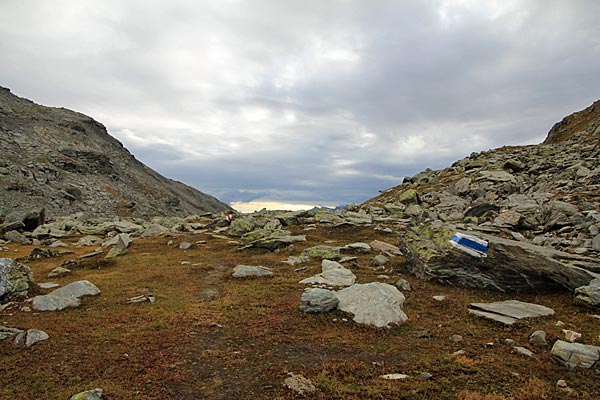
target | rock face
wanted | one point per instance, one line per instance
(66, 162)
(546, 195)
(377, 304)
(510, 266)
(67, 296)
(15, 279)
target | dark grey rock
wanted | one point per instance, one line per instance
(317, 300)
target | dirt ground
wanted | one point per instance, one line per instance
(209, 336)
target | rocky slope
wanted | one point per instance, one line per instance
(66, 162)
(537, 202)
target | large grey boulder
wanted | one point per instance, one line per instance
(575, 355)
(377, 304)
(589, 295)
(15, 279)
(510, 265)
(509, 312)
(66, 296)
(248, 271)
(318, 300)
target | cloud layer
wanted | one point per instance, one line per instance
(318, 102)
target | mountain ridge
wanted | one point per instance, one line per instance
(67, 162)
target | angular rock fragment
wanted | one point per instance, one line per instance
(67, 296)
(247, 271)
(15, 279)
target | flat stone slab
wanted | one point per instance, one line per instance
(509, 311)
(67, 296)
(247, 271)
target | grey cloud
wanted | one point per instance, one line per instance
(306, 101)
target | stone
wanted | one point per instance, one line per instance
(498, 176)
(67, 296)
(95, 394)
(538, 338)
(30, 219)
(340, 276)
(59, 271)
(509, 312)
(122, 242)
(327, 265)
(270, 239)
(295, 260)
(481, 209)
(462, 185)
(89, 240)
(508, 219)
(317, 300)
(185, 245)
(248, 271)
(456, 338)
(384, 248)
(358, 247)
(39, 253)
(323, 252)
(410, 196)
(589, 295)
(380, 260)
(15, 279)
(510, 265)
(48, 285)
(575, 355)
(523, 351)
(375, 303)
(155, 230)
(395, 377)
(596, 243)
(34, 336)
(242, 225)
(439, 298)
(57, 243)
(299, 384)
(403, 284)
(17, 237)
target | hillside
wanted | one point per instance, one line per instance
(67, 162)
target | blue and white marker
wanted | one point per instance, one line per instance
(471, 245)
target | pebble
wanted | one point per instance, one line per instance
(439, 298)
(395, 377)
(425, 376)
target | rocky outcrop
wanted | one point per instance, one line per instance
(510, 265)
(64, 162)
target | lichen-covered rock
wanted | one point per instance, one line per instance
(377, 304)
(589, 295)
(323, 252)
(15, 279)
(509, 266)
(242, 225)
(270, 239)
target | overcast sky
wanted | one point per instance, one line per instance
(312, 102)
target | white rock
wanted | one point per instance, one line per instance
(374, 303)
